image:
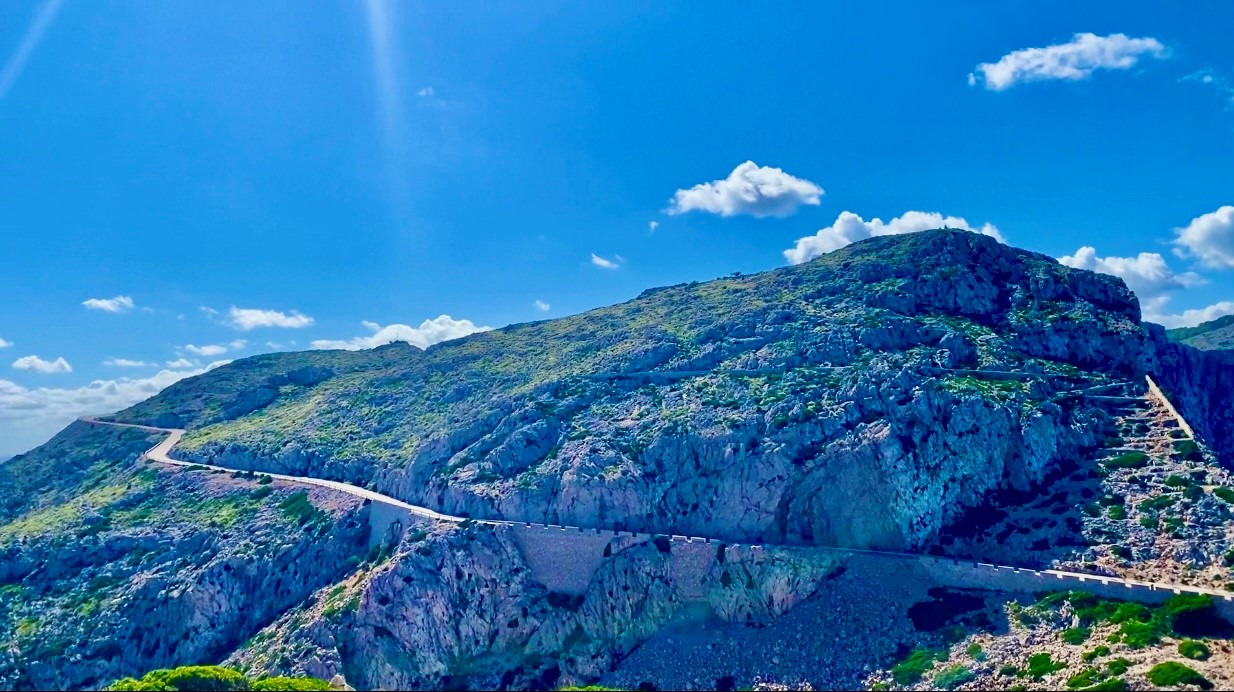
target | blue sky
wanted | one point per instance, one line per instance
(339, 173)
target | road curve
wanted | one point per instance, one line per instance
(159, 453)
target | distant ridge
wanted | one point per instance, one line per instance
(1212, 335)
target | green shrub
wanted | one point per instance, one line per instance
(1154, 504)
(1008, 671)
(975, 652)
(912, 668)
(1224, 493)
(1176, 481)
(1173, 674)
(1095, 653)
(1117, 666)
(1041, 665)
(204, 678)
(1138, 635)
(297, 684)
(1127, 460)
(1187, 449)
(1111, 685)
(952, 677)
(1084, 678)
(1117, 512)
(298, 508)
(214, 679)
(1126, 612)
(1076, 635)
(1194, 650)
(265, 480)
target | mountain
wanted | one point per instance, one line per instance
(1215, 334)
(921, 393)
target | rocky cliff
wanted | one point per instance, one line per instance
(109, 568)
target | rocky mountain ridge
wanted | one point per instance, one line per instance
(867, 398)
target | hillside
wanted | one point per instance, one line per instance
(1212, 335)
(926, 392)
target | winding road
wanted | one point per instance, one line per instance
(159, 453)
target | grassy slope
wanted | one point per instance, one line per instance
(1216, 334)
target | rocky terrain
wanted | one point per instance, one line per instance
(109, 567)
(933, 392)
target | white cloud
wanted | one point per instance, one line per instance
(426, 91)
(245, 319)
(117, 304)
(126, 363)
(29, 41)
(5, 344)
(46, 367)
(652, 226)
(207, 350)
(750, 189)
(1210, 78)
(1154, 282)
(237, 344)
(542, 306)
(1190, 318)
(604, 263)
(443, 328)
(1147, 273)
(30, 416)
(1077, 59)
(1210, 238)
(181, 363)
(849, 228)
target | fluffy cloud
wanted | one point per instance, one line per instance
(1154, 282)
(605, 263)
(443, 328)
(237, 344)
(208, 350)
(1077, 59)
(849, 228)
(126, 363)
(750, 189)
(117, 304)
(180, 363)
(46, 367)
(652, 226)
(1210, 238)
(245, 319)
(1190, 318)
(5, 344)
(1147, 273)
(30, 416)
(542, 306)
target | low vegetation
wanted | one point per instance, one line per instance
(1173, 674)
(212, 679)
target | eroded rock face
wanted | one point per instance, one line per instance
(1201, 385)
(129, 567)
(458, 606)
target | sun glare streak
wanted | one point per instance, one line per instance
(380, 31)
(389, 105)
(42, 21)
